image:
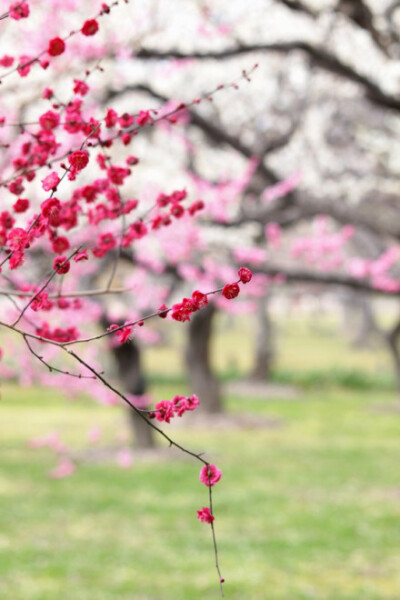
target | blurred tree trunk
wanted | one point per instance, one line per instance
(360, 321)
(392, 339)
(201, 377)
(127, 357)
(264, 355)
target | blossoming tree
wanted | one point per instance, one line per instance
(66, 212)
(101, 167)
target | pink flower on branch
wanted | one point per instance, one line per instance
(230, 291)
(123, 334)
(50, 182)
(79, 256)
(245, 275)
(19, 10)
(167, 409)
(18, 239)
(205, 515)
(78, 159)
(49, 120)
(90, 27)
(24, 65)
(210, 475)
(56, 46)
(61, 265)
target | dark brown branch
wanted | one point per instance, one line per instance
(298, 6)
(319, 56)
(330, 279)
(361, 15)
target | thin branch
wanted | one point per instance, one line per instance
(44, 286)
(331, 279)
(50, 367)
(76, 294)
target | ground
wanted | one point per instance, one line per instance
(307, 508)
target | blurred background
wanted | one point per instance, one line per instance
(289, 134)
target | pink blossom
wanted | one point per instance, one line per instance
(273, 234)
(111, 118)
(65, 468)
(143, 118)
(230, 291)
(179, 405)
(210, 475)
(255, 256)
(16, 260)
(205, 516)
(282, 188)
(164, 411)
(24, 65)
(162, 311)
(200, 300)
(123, 334)
(90, 27)
(180, 312)
(51, 210)
(6, 61)
(50, 440)
(56, 46)
(81, 256)
(49, 120)
(17, 239)
(192, 402)
(245, 275)
(61, 265)
(80, 87)
(124, 458)
(19, 10)
(78, 159)
(50, 182)
(41, 301)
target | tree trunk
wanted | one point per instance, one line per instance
(202, 379)
(264, 344)
(359, 321)
(392, 339)
(127, 357)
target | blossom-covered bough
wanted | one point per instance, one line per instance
(82, 194)
(65, 208)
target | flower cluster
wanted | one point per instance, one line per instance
(167, 409)
(58, 334)
(182, 310)
(231, 290)
(209, 475)
(123, 334)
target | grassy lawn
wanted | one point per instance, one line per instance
(308, 509)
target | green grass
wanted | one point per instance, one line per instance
(306, 510)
